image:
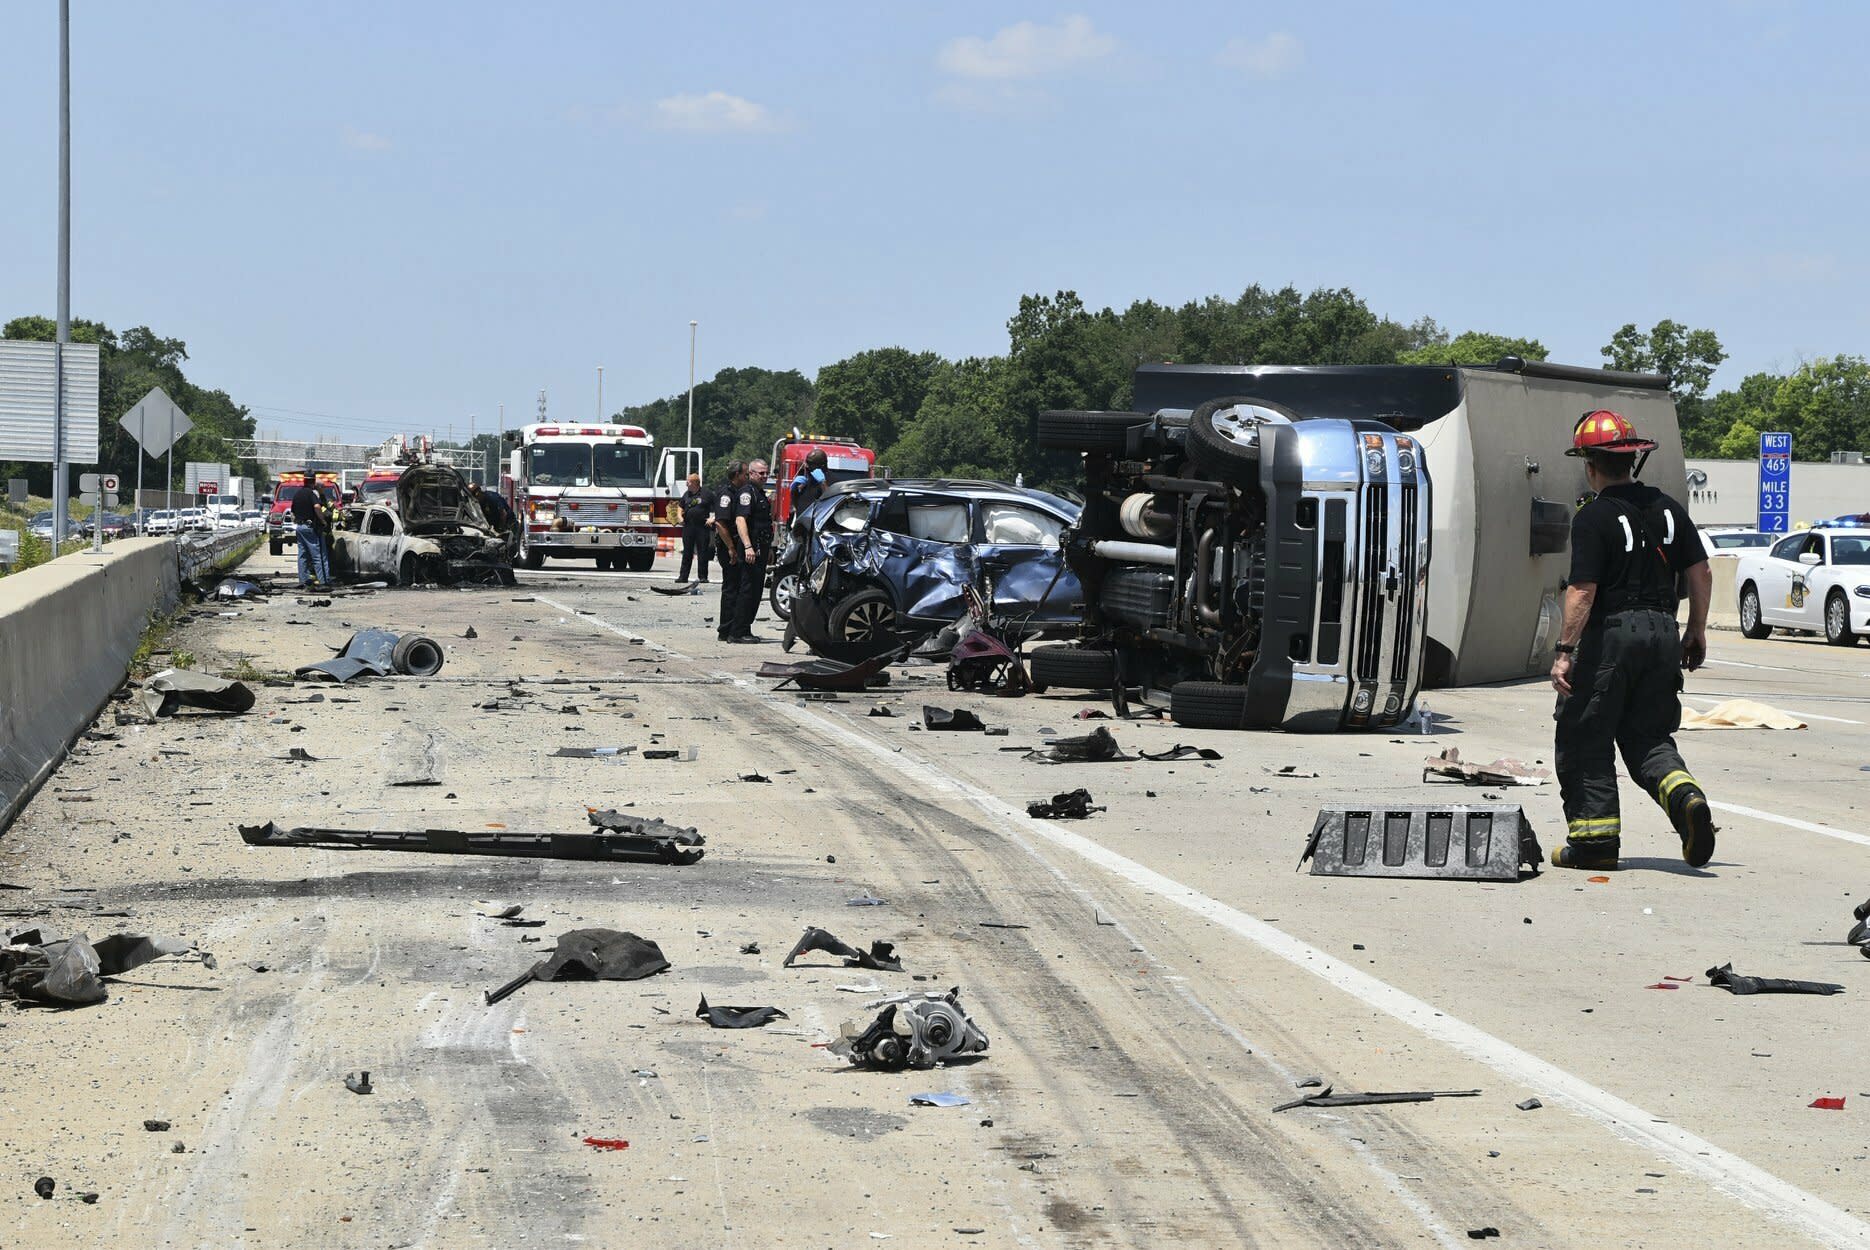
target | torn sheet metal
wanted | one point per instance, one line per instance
(379, 653)
(656, 842)
(1325, 1098)
(1180, 752)
(1726, 978)
(1097, 747)
(1502, 772)
(918, 1031)
(881, 957)
(822, 674)
(592, 753)
(69, 972)
(591, 955)
(163, 693)
(1073, 806)
(944, 718)
(738, 1017)
(1464, 842)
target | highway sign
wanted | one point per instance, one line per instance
(1775, 502)
(16, 491)
(98, 499)
(209, 488)
(155, 422)
(92, 483)
(28, 378)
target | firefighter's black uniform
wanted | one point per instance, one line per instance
(1632, 542)
(697, 505)
(727, 555)
(752, 502)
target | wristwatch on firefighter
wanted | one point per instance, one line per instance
(1565, 648)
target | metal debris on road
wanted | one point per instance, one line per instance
(592, 753)
(379, 653)
(1465, 842)
(864, 900)
(959, 718)
(174, 688)
(620, 837)
(1726, 978)
(1097, 747)
(1325, 1098)
(36, 966)
(881, 957)
(1180, 752)
(1075, 805)
(822, 674)
(916, 1032)
(591, 955)
(685, 754)
(358, 1083)
(156, 1126)
(1531, 1104)
(738, 1017)
(1502, 772)
(938, 1100)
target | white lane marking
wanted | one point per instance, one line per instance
(1792, 822)
(1728, 1172)
(1765, 668)
(572, 614)
(1836, 720)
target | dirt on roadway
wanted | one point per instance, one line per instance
(1153, 980)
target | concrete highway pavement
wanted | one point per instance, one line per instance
(1173, 979)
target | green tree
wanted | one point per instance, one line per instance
(1705, 425)
(1688, 358)
(1825, 404)
(873, 395)
(1740, 442)
(964, 427)
(738, 413)
(1472, 347)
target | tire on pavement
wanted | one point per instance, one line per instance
(1072, 668)
(1838, 620)
(1752, 624)
(416, 655)
(1208, 705)
(779, 596)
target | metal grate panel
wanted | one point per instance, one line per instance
(1467, 842)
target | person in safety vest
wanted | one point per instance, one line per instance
(1619, 662)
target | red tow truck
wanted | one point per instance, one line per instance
(279, 529)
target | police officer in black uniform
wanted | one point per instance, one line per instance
(726, 546)
(753, 525)
(1618, 669)
(696, 506)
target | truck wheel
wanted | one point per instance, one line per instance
(1072, 668)
(780, 596)
(642, 561)
(531, 556)
(604, 564)
(1086, 431)
(1224, 444)
(1208, 705)
(1751, 623)
(275, 545)
(1838, 621)
(416, 655)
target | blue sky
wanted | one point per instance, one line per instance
(401, 214)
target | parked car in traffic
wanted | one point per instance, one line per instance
(160, 522)
(1816, 580)
(434, 533)
(885, 561)
(1732, 541)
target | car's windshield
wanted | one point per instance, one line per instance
(559, 464)
(620, 464)
(1850, 551)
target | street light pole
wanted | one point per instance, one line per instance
(691, 382)
(600, 394)
(61, 488)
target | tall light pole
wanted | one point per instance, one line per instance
(691, 382)
(473, 466)
(600, 394)
(61, 488)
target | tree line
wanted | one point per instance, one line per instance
(129, 365)
(976, 417)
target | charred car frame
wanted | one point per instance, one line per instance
(435, 533)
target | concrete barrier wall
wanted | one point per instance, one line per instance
(67, 631)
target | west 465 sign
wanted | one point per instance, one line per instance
(1775, 510)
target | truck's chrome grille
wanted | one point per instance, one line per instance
(1402, 661)
(1374, 564)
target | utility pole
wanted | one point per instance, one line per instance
(474, 466)
(600, 394)
(691, 382)
(61, 487)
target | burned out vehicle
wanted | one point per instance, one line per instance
(434, 533)
(882, 562)
(1267, 568)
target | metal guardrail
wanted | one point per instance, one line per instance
(200, 553)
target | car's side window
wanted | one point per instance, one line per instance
(943, 522)
(1011, 524)
(381, 525)
(1815, 544)
(850, 517)
(1789, 548)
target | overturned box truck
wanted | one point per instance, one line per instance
(1307, 548)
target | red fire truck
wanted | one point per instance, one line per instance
(595, 492)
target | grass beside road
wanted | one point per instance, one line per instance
(34, 550)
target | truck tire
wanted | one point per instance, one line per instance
(641, 561)
(1208, 705)
(1215, 443)
(1086, 431)
(605, 564)
(416, 655)
(275, 545)
(1072, 668)
(531, 556)
(1752, 624)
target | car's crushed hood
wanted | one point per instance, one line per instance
(434, 499)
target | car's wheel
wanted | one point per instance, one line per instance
(1751, 623)
(530, 556)
(1072, 668)
(275, 545)
(865, 621)
(780, 596)
(641, 561)
(1224, 436)
(1838, 621)
(409, 571)
(1086, 431)
(1208, 705)
(416, 655)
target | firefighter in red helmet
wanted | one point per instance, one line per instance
(1618, 667)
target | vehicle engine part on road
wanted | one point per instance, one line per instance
(881, 957)
(1726, 978)
(738, 1017)
(1097, 747)
(379, 653)
(1073, 806)
(591, 955)
(631, 838)
(917, 1032)
(174, 688)
(1464, 842)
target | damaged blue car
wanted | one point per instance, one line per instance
(875, 564)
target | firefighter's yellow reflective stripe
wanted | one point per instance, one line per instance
(1669, 784)
(1581, 830)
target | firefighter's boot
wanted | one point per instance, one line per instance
(1596, 855)
(1694, 822)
